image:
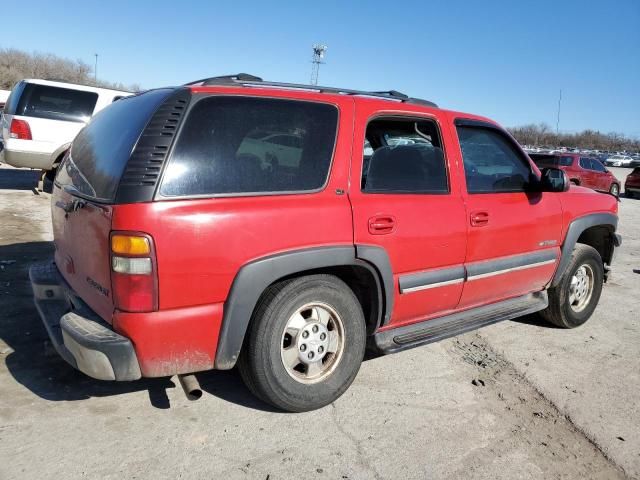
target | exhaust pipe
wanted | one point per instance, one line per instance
(190, 385)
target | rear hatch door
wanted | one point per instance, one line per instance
(81, 232)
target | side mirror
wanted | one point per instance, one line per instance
(554, 180)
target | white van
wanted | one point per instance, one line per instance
(41, 118)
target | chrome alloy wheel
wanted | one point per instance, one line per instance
(581, 288)
(312, 343)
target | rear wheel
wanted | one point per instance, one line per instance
(573, 300)
(305, 344)
(614, 190)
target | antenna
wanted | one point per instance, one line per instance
(318, 54)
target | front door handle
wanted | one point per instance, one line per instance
(479, 219)
(382, 224)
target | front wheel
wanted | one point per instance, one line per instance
(305, 343)
(573, 300)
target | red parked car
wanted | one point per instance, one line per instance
(585, 171)
(632, 183)
(240, 222)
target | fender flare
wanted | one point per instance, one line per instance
(59, 151)
(576, 227)
(253, 278)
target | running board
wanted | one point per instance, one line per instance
(421, 333)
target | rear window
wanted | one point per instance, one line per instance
(55, 103)
(551, 160)
(100, 152)
(244, 145)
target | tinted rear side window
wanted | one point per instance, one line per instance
(408, 158)
(236, 145)
(54, 103)
(100, 152)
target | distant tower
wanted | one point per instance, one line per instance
(318, 54)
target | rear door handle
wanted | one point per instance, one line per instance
(479, 219)
(382, 224)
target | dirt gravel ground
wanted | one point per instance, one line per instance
(515, 400)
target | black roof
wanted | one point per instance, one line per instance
(245, 79)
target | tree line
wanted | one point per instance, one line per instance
(542, 135)
(16, 65)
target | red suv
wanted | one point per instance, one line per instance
(234, 221)
(632, 183)
(585, 171)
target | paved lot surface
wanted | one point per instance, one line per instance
(515, 400)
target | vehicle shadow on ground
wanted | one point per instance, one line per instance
(536, 320)
(23, 179)
(18, 179)
(33, 362)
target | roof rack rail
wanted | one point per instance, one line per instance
(237, 78)
(245, 79)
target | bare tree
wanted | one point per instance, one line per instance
(16, 65)
(542, 135)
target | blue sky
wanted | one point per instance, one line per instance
(503, 59)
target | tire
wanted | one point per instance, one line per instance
(614, 190)
(270, 362)
(569, 311)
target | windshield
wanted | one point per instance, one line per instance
(542, 160)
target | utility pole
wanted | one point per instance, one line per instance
(95, 71)
(558, 119)
(318, 54)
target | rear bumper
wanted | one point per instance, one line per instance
(80, 337)
(27, 159)
(29, 154)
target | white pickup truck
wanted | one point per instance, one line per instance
(41, 118)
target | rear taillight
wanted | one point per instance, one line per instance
(134, 278)
(20, 129)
